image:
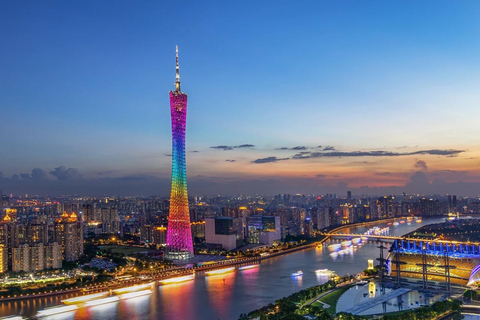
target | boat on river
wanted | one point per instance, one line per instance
(334, 247)
(346, 244)
(56, 310)
(299, 273)
(324, 272)
(356, 241)
(178, 279)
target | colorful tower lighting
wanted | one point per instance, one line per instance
(179, 234)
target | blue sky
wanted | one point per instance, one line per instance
(85, 85)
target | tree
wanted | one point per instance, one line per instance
(470, 295)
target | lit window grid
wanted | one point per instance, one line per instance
(179, 234)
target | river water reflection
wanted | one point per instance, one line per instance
(225, 297)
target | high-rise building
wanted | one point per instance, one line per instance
(110, 220)
(3, 259)
(225, 232)
(263, 229)
(36, 257)
(69, 234)
(179, 233)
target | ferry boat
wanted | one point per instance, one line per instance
(177, 279)
(132, 288)
(219, 271)
(346, 244)
(252, 266)
(299, 273)
(55, 310)
(135, 294)
(334, 247)
(85, 298)
(98, 302)
(324, 272)
(356, 241)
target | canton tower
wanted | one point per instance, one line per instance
(179, 234)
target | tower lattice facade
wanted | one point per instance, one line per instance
(179, 233)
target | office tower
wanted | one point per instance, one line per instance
(179, 234)
(263, 229)
(223, 231)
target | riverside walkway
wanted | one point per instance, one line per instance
(376, 301)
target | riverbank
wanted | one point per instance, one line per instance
(179, 271)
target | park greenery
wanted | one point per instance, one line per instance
(435, 311)
(295, 306)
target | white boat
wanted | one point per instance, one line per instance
(85, 298)
(346, 244)
(297, 274)
(220, 271)
(356, 241)
(133, 288)
(99, 302)
(396, 223)
(135, 294)
(324, 272)
(252, 266)
(177, 279)
(55, 310)
(334, 247)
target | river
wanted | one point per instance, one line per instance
(225, 297)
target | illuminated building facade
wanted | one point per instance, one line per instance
(450, 262)
(3, 259)
(263, 229)
(179, 234)
(30, 258)
(69, 234)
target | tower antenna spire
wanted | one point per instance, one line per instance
(177, 76)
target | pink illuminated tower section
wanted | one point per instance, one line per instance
(179, 234)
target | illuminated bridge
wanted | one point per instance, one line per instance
(358, 235)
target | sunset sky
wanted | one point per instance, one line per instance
(284, 96)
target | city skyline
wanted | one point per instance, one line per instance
(347, 97)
